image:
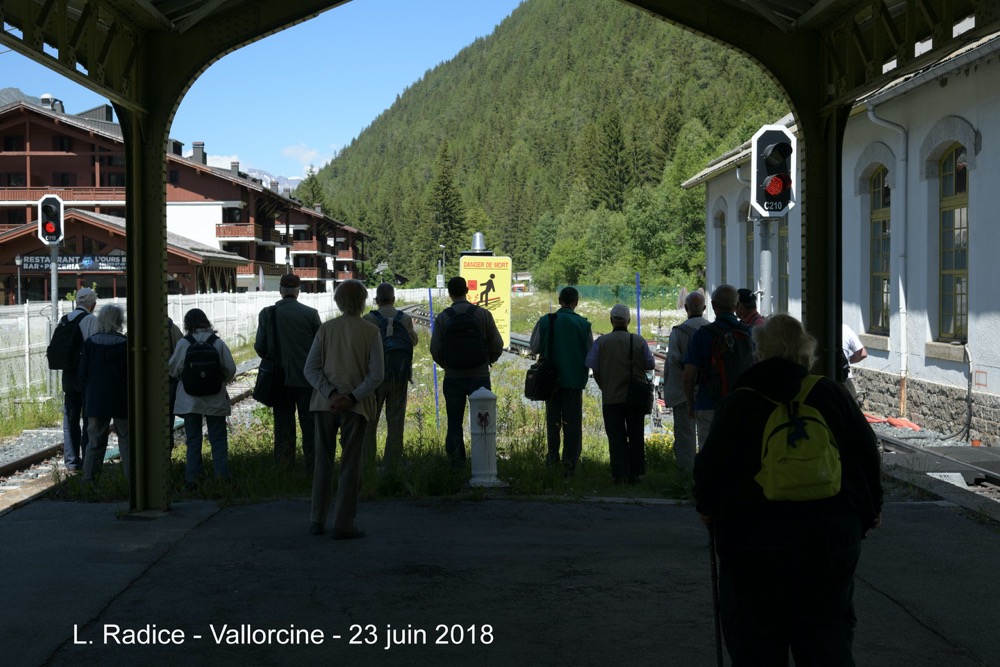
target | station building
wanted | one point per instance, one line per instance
(920, 166)
(81, 158)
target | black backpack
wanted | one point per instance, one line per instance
(66, 346)
(202, 372)
(464, 343)
(397, 348)
(731, 354)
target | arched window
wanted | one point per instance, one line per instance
(879, 219)
(953, 249)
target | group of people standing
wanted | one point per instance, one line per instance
(786, 559)
(616, 359)
(786, 564)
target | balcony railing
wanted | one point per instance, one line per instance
(346, 275)
(348, 254)
(238, 231)
(309, 272)
(310, 246)
(69, 195)
(253, 269)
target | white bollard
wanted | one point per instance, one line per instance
(483, 426)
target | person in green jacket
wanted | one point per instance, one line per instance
(571, 341)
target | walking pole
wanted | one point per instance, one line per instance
(715, 595)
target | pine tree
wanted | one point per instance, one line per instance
(310, 191)
(446, 211)
(612, 176)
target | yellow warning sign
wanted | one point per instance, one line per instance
(489, 287)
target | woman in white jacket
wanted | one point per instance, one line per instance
(215, 406)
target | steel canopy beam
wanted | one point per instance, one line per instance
(143, 62)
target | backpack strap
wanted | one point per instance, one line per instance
(381, 318)
(189, 338)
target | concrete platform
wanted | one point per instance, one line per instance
(501, 582)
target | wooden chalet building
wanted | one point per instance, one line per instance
(81, 158)
(93, 254)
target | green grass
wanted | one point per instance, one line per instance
(425, 471)
(29, 411)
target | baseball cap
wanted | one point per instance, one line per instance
(620, 313)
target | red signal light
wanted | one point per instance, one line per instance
(777, 184)
(50, 228)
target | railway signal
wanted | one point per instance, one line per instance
(50, 219)
(771, 171)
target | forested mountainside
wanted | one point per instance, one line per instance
(563, 136)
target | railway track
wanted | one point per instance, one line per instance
(973, 469)
(36, 466)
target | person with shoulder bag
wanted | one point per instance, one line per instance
(563, 339)
(620, 360)
(285, 332)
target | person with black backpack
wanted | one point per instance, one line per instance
(398, 341)
(63, 353)
(203, 364)
(718, 354)
(464, 342)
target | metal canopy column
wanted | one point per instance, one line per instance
(144, 62)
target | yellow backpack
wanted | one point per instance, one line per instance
(799, 457)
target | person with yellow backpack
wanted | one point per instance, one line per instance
(789, 482)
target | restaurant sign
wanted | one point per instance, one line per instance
(85, 263)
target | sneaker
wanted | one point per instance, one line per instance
(347, 533)
(316, 529)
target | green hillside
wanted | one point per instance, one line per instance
(563, 137)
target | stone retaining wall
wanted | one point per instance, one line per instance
(938, 407)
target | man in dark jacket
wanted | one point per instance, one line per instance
(296, 325)
(103, 374)
(75, 438)
(570, 342)
(461, 379)
(786, 567)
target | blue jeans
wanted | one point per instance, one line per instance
(456, 389)
(75, 438)
(218, 437)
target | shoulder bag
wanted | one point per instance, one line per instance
(640, 391)
(542, 379)
(270, 375)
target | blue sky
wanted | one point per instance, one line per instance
(323, 81)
